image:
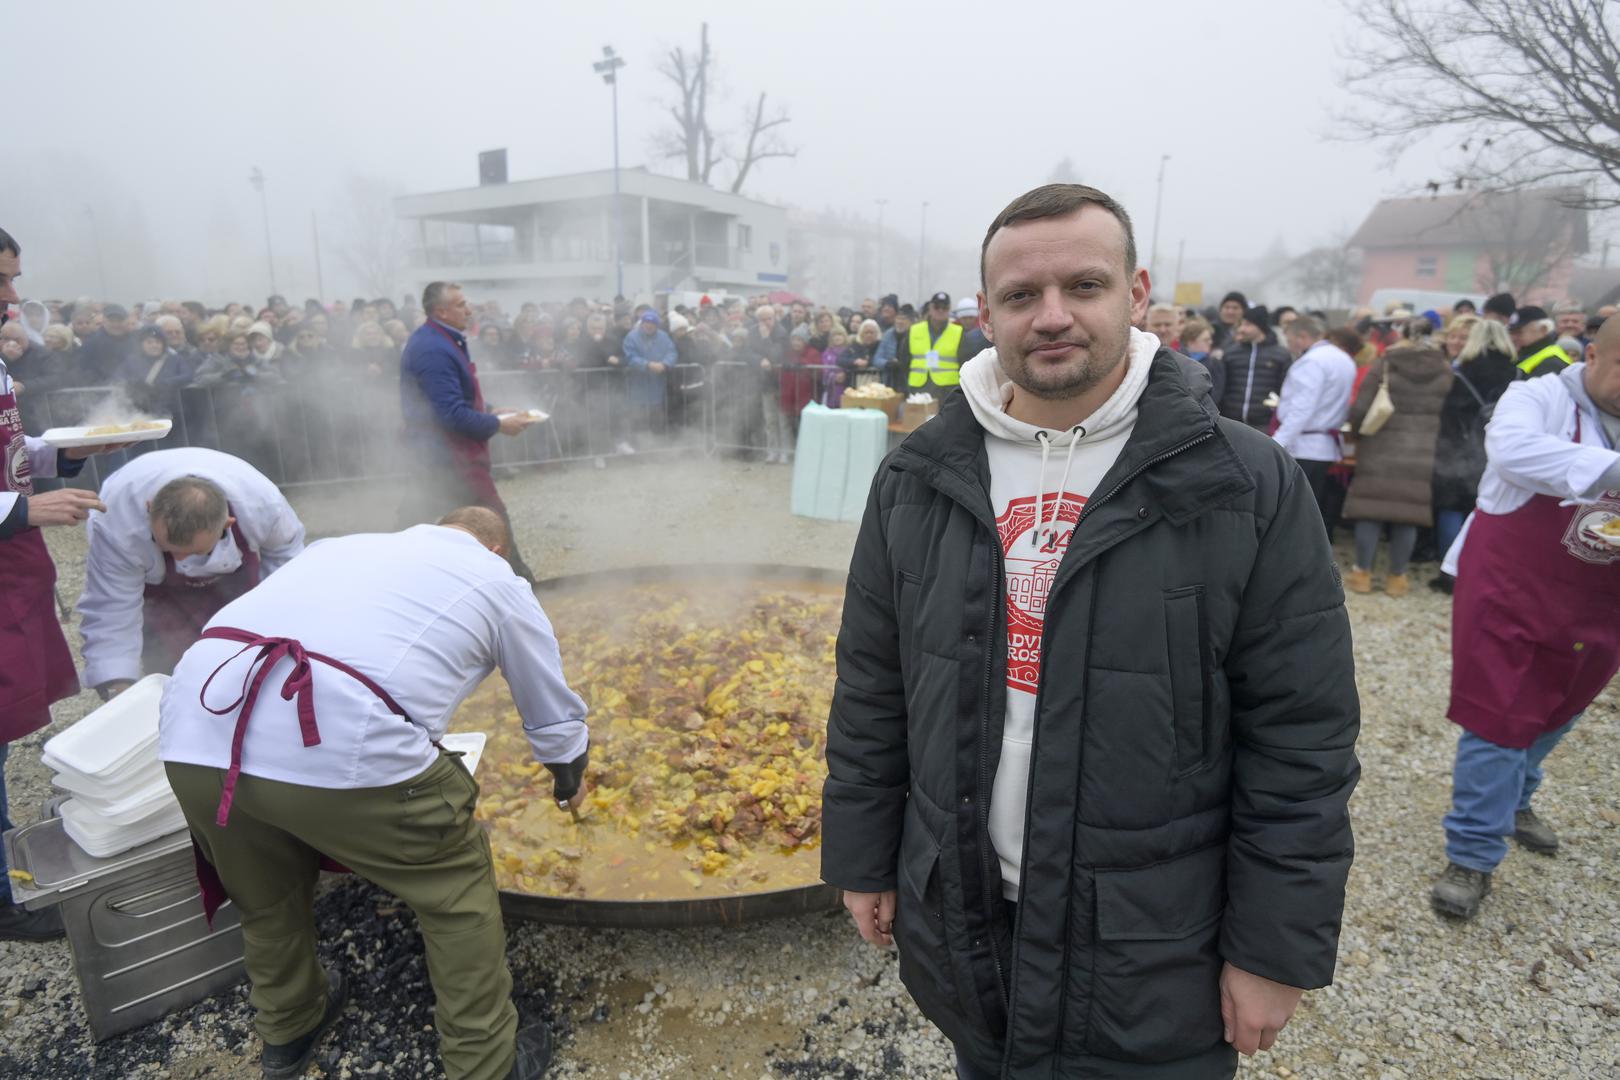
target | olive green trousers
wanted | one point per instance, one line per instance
(418, 840)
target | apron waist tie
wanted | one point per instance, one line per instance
(299, 684)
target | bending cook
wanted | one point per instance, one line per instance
(186, 532)
(346, 668)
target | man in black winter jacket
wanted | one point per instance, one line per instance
(1092, 742)
(1255, 369)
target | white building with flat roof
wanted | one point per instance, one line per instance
(552, 239)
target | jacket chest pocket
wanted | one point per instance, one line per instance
(1186, 634)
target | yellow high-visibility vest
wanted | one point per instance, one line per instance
(942, 366)
(1530, 363)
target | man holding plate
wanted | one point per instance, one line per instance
(1534, 637)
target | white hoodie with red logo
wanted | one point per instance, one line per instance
(1039, 483)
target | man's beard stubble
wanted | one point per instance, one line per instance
(1072, 381)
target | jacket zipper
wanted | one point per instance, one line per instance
(1138, 471)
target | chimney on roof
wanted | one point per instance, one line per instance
(492, 167)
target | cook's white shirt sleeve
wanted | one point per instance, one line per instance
(281, 539)
(526, 649)
(111, 608)
(1298, 403)
(1528, 443)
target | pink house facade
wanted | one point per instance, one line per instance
(1524, 243)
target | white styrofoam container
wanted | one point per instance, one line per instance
(101, 838)
(134, 773)
(114, 734)
(129, 807)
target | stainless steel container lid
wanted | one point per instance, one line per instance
(54, 866)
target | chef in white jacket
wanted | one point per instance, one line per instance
(1534, 631)
(186, 531)
(305, 723)
(1314, 403)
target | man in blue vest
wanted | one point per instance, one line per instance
(936, 343)
(447, 425)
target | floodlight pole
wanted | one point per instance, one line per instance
(1158, 206)
(881, 203)
(608, 68)
(256, 178)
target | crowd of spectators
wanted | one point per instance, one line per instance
(758, 362)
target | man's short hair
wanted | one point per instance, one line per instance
(433, 297)
(1164, 309)
(9, 245)
(1307, 326)
(1058, 200)
(1568, 307)
(483, 523)
(188, 506)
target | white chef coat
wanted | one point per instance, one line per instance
(1315, 398)
(426, 614)
(123, 558)
(41, 458)
(1530, 450)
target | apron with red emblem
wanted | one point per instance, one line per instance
(177, 609)
(1535, 631)
(471, 456)
(36, 665)
(300, 686)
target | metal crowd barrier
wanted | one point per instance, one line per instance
(746, 400)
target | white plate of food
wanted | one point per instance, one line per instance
(67, 438)
(1606, 531)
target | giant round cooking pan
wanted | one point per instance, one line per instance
(729, 909)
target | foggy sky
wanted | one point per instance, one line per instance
(152, 115)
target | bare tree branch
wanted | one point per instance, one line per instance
(1530, 88)
(761, 144)
(691, 138)
(373, 246)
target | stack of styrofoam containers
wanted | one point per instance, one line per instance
(108, 762)
(838, 453)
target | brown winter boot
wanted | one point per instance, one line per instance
(1397, 585)
(1358, 580)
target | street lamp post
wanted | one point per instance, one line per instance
(95, 237)
(1158, 205)
(881, 203)
(922, 250)
(256, 178)
(608, 68)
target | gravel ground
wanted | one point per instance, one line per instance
(1529, 989)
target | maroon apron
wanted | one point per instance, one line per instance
(36, 665)
(471, 456)
(177, 609)
(299, 685)
(1535, 628)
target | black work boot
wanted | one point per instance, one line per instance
(1459, 891)
(17, 923)
(289, 1060)
(1533, 834)
(533, 1052)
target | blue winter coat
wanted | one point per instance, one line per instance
(646, 387)
(436, 391)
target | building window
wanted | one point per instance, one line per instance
(1428, 266)
(745, 237)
